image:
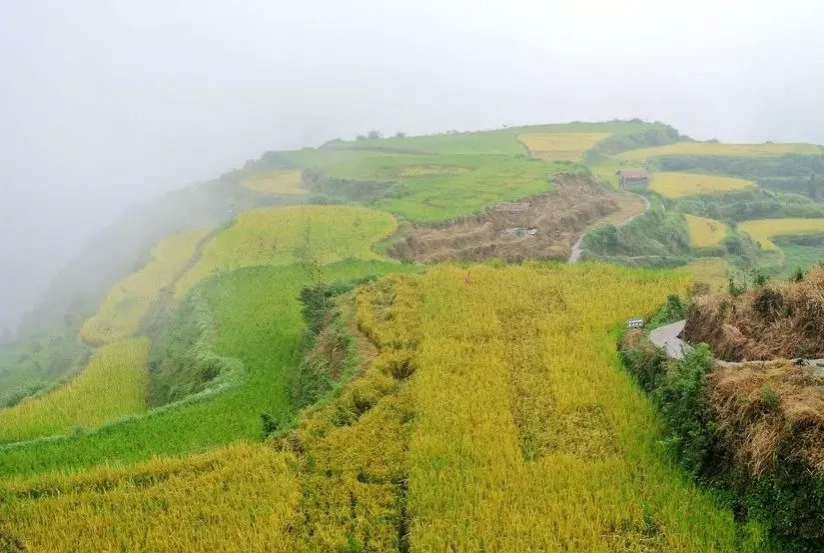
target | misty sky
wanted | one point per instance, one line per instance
(106, 103)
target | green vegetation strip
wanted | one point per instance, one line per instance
(258, 321)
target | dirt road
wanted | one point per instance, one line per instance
(575, 254)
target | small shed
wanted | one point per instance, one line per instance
(633, 178)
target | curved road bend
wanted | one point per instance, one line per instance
(575, 255)
(668, 338)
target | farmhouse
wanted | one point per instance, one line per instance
(633, 178)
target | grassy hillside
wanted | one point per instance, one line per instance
(479, 425)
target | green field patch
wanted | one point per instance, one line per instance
(768, 149)
(113, 385)
(493, 179)
(284, 235)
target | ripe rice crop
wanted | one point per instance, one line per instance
(283, 183)
(113, 385)
(762, 230)
(704, 232)
(713, 271)
(238, 498)
(284, 235)
(679, 185)
(492, 415)
(129, 300)
(717, 149)
(560, 146)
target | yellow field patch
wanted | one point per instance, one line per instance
(129, 300)
(492, 416)
(713, 271)
(679, 185)
(113, 385)
(762, 230)
(560, 146)
(283, 183)
(284, 235)
(238, 498)
(704, 232)
(527, 436)
(716, 149)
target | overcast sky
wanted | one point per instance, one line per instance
(105, 103)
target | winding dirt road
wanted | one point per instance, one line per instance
(575, 254)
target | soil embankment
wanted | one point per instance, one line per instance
(777, 320)
(542, 227)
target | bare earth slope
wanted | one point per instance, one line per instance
(777, 320)
(542, 227)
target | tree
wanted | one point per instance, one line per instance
(374, 135)
(400, 134)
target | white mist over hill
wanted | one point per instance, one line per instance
(104, 104)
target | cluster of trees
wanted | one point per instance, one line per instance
(375, 135)
(750, 204)
(617, 143)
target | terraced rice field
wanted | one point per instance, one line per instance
(705, 232)
(762, 230)
(560, 146)
(278, 183)
(113, 385)
(680, 185)
(129, 300)
(479, 425)
(717, 149)
(284, 235)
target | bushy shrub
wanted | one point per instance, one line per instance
(687, 412)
